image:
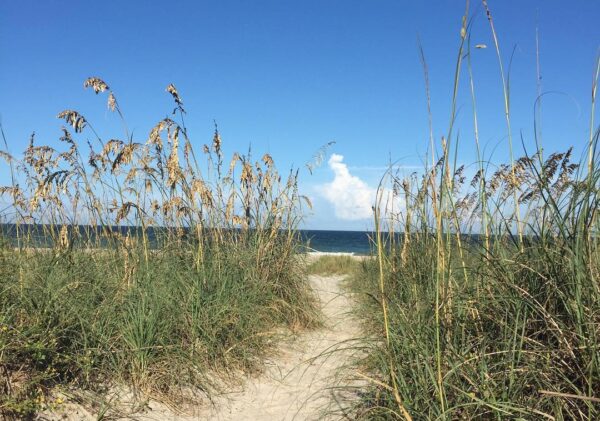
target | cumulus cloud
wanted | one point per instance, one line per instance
(350, 196)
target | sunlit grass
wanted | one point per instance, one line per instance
(327, 265)
(98, 307)
(484, 300)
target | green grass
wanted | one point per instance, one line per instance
(504, 327)
(327, 265)
(523, 324)
(76, 320)
(198, 305)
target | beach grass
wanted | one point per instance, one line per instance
(88, 305)
(327, 265)
(483, 302)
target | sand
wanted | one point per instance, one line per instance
(299, 382)
(307, 379)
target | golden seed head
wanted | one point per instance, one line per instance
(112, 102)
(64, 237)
(234, 160)
(268, 160)
(97, 84)
(73, 118)
(217, 142)
(173, 91)
(173, 163)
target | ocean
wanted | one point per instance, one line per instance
(323, 241)
(354, 242)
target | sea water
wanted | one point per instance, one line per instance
(323, 241)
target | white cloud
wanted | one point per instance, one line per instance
(351, 197)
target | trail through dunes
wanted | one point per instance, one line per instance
(301, 381)
(304, 380)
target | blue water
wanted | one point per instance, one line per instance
(356, 242)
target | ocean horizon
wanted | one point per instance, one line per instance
(315, 241)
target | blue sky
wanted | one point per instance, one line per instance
(288, 77)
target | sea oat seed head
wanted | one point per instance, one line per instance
(217, 142)
(173, 91)
(268, 160)
(73, 118)
(97, 84)
(112, 102)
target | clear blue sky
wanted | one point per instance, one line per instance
(288, 77)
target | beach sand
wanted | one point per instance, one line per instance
(299, 382)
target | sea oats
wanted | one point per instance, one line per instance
(217, 142)
(64, 240)
(234, 160)
(173, 91)
(16, 194)
(259, 172)
(113, 146)
(123, 211)
(66, 137)
(131, 174)
(247, 175)
(292, 181)
(154, 138)
(69, 156)
(112, 102)
(173, 168)
(187, 150)
(182, 211)
(267, 182)
(124, 156)
(143, 185)
(268, 160)
(97, 84)
(306, 200)
(476, 178)
(74, 119)
(200, 188)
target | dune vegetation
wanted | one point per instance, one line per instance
(145, 265)
(484, 295)
(152, 267)
(328, 265)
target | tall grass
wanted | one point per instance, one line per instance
(490, 306)
(200, 285)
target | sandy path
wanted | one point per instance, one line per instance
(297, 383)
